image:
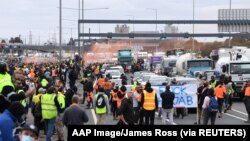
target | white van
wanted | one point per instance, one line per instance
(120, 68)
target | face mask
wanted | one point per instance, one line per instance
(27, 138)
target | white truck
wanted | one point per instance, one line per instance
(168, 66)
(188, 65)
(238, 67)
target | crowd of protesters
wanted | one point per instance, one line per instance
(50, 93)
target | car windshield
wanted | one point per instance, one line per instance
(171, 63)
(136, 74)
(158, 81)
(240, 68)
(146, 78)
(200, 63)
(114, 73)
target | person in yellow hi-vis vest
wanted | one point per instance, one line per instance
(50, 106)
(59, 123)
(7, 89)
(149, 104)
(101, 105)
(44, 83)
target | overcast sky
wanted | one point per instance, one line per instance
(41, 16)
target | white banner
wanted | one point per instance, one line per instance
(185, 95)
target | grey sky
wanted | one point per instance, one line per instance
(41, 16)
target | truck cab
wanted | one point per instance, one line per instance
(197, 66)
(240, 73)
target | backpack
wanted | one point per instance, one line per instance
(213, 105)
(100, 101)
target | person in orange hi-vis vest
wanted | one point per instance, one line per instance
(246, 90)
(220, 92)
(100, 81)
(32, 74)
(121, 95)
(114, 98)
(149, 104)
(107, 85)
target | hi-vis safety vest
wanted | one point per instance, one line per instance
(119, 100)
(49, 110)
(149, 100)
(54, 74)
(61, 100)
(114, 96)
(5, 81)
(247, 91)
(134, 85)
(220, 91)
(44, 83)
(213, 84)
(24, 101)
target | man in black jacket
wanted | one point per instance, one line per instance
(68, 96)
(125, 113)
(167, 105)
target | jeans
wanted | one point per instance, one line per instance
(169, 113)
(149, 117)
(247, 105)
(226, 98)
(208, 115)
(59, 127)
(72, 84)
(49, 125)
(136, 113)
(220, 102)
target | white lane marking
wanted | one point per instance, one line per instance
(94, 116)
(166, 119)
(240, 112)
(235, 116)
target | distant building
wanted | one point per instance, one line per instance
(171, 29)
(122, 29)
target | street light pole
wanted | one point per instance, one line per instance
(60, 31)
(193, 26)
(79, 16)
(156, 18)
(230, 3)
(133, 21)
(82, 27)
